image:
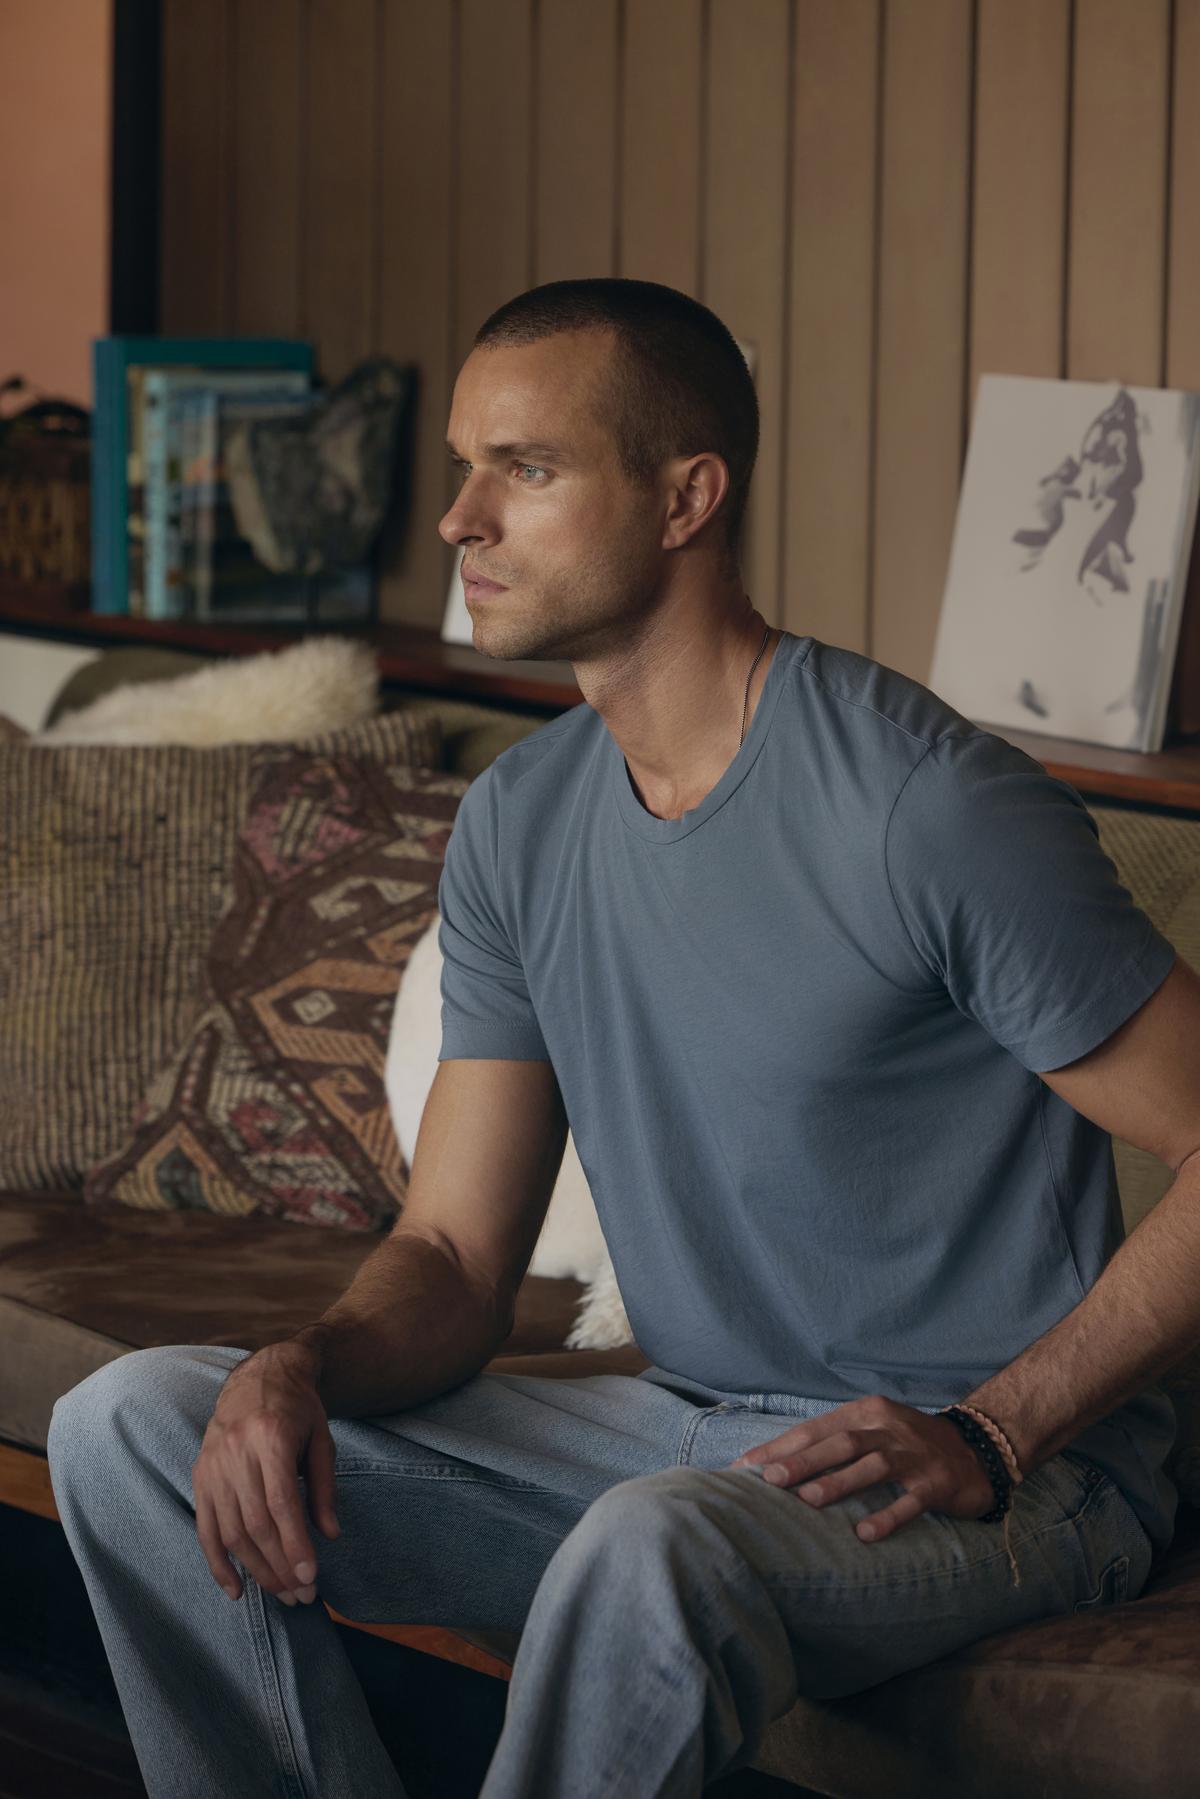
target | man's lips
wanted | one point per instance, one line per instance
(470, 580)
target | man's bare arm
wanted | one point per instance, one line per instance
(434, 1301)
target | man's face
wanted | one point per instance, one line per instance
(550, 517)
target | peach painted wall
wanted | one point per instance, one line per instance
(55, 96)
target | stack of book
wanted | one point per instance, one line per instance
(165, 542)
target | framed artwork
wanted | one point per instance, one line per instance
(1071, 546)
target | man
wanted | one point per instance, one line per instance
(840, 999)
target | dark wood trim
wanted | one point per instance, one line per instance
(136, 88)
(25, 1481)
(1168, 777)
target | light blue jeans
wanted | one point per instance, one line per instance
(670, 1607)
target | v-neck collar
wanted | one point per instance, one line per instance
(669, 830)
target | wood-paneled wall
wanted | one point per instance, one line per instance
(887, 197)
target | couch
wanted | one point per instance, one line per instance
(1103, 1703)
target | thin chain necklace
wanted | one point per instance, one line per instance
(762, 646)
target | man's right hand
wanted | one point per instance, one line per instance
(267, 1426)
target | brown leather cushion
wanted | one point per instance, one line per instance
(80, 1286)
(1082, 1707)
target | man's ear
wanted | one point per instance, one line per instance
(697, 486)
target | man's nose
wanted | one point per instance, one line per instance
(466, 518)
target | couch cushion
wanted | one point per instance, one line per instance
(274, 1102)
(114, 864)
(1099, 1707)
(473, 734)
(126, 665)
(80, 1286)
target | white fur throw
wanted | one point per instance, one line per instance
(318, 685)
(571, 1242)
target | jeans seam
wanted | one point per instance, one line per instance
(690, 1429)
(423, 1472)
(268, 1668)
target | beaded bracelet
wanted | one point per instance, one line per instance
(998, 1437)
(998, 1474)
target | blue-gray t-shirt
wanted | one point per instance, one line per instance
(797, 1033)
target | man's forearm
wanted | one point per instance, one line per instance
(409, 1326)
(1139, 1319)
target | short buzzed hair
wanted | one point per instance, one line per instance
(679, 386)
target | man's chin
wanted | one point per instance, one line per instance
(491, 638)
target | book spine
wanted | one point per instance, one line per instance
(175, 449)
(185, 598)
(205, 500)
(111, 358)
(104, 514)
(135, 519)
(154, 396)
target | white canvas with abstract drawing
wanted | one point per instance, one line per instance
(1069, 561)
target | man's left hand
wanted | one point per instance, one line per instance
(877, 1439)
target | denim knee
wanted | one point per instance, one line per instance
(173, 1384)
(650, 1516)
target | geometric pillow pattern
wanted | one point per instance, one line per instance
(275, 1102)
(114, 864)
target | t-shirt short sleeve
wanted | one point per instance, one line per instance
(1008, 898)
(486, 1008)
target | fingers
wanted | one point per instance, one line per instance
(322, 1487)
(830, 1452)
(866, 1472)
(209, 1532)
(269, 1498)
(247, 1530)
(882, 1524)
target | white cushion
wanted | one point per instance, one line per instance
(571, 1243)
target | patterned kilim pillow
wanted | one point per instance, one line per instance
(114, 864)
(275, 1103)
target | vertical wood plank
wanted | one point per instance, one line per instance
(575, 136)
(417, 151)
(658, 228)
(1019, 202)
(1183, 317)
(494, 225)
(265, 61)
(196, 148)
(1118, 188)
(1183, 275)
(826, 489)
(745, 240)
(927, 52)
(340, 188)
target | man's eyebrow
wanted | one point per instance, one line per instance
(502, 452)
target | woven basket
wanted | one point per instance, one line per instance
(45, 529)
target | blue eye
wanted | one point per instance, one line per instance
(530, 465)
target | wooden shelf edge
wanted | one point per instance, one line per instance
(409, 655)
(415, 657)
(25, 1481)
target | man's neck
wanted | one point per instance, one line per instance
(674, 705)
